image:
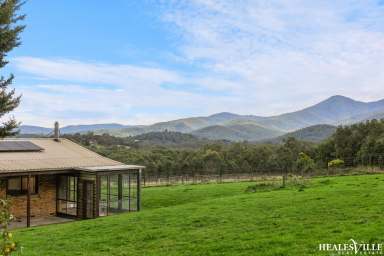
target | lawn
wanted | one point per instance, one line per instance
(224, 219)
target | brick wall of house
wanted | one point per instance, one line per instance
(42, 204)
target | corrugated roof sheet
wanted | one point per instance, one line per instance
(63, 154)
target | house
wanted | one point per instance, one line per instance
(55, 177)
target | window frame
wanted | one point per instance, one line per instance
(70, 194)
(21, 191)
(70, 190)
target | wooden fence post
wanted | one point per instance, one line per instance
(29, 200)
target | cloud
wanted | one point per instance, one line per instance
(76, 104)
(246, 56)
(80, 71)
(287, 51)
(84, 92)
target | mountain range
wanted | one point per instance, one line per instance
(336, 110)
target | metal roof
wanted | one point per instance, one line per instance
(57, 155)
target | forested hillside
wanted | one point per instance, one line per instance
(356, 144)
(170, 139)
(236, 132)
(316, 133)
(353, 145)
(167, 139)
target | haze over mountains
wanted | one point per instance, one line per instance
(331, 112)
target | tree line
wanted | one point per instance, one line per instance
(349, 146)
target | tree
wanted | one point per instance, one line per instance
(9, 39)
(212, 162)
(287, 156)
(304, 163)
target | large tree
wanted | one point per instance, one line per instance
(9, 39)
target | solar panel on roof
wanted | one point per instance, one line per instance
(19, 146)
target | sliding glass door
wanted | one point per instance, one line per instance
(67, 195)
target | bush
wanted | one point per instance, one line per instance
(7, 246)
(336, 163)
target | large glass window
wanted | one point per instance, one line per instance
(67, 195)
(19, 185)
(130, 191)
(104, 198)
(118, 192)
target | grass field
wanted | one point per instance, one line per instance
(224, 219)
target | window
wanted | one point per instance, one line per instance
(19, 185)
(67, 195)
(118, 192)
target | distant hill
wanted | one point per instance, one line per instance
(162, 139)
(91, 127)
(236, 132)
(378, 116)
(215, 132)
(30, 129)
(185, 125)
(168, 138)
(314, 133)
(333, 111)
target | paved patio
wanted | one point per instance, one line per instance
(38, 221)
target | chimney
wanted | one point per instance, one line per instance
(56, 132)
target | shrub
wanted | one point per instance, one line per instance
(7, 245)
(336, 163)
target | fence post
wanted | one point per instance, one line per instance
(138, 184)
(284, 178)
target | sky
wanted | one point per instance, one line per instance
(145, 61)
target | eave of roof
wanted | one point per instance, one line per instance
(111, 168)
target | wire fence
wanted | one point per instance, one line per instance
(151, 181)
(366, 160)
(154, 181)
(372, 163)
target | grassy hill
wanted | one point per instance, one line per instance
(224, 219)
(315, 133)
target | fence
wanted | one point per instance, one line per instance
(371, 163)
(365, 160)
(150, 181)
